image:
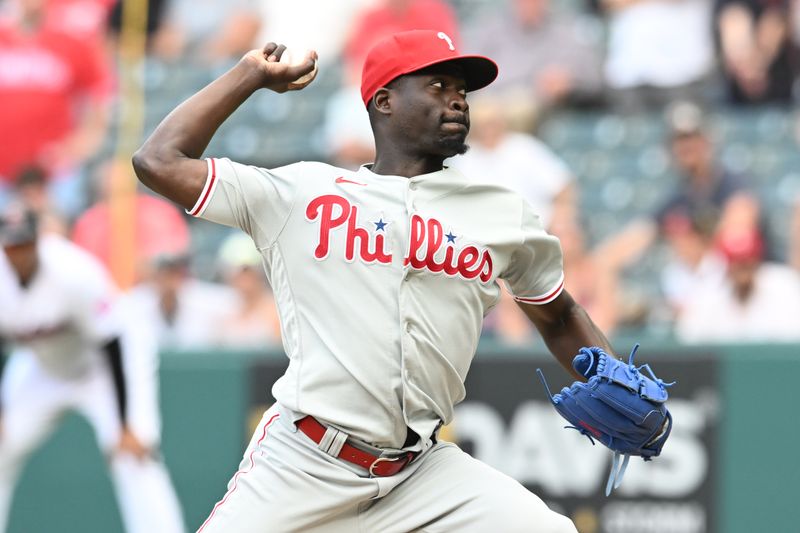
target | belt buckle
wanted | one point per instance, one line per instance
(380, 459)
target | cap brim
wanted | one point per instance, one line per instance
(479, 71)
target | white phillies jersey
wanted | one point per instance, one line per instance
(382, 283)
(64, 314)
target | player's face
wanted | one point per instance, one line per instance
(430, 111)
(23, 259)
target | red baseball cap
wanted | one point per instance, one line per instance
(409, 51)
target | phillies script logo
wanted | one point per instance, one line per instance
(427, 240)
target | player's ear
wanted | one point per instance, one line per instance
(381, 101)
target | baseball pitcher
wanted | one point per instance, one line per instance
(382, 278)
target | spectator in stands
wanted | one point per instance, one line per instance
(756, 301)
(693, 263)
(691, 214)
(759, 57)
(518, 161)
(392, 16)
(658, 51)
(254, 322)
(182, 310)
(546, 58)
(54, 96)
(206, 31)
(159, 228)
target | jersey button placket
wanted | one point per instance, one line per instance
(405, 323)
(410, 204)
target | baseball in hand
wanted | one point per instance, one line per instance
(298, 57)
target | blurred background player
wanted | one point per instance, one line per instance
(71, 351)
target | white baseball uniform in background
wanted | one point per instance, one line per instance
(57, 325)
(381, 283)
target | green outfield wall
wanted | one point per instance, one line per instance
(742, 402)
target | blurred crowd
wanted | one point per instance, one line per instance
(721, 276)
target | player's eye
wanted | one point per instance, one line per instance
(438, 84)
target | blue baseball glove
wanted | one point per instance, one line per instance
(618, 405)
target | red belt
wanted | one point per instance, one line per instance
(377, 466)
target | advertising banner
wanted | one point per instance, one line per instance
(508, 422)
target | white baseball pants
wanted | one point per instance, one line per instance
(33, 404)
(285, 483)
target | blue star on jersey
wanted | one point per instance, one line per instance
(450, 237)
(380, 224)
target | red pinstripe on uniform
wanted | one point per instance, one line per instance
(542, 299)
(240, 472)
(206, 190)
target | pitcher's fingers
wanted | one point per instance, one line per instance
(278, 52)
(268, 49)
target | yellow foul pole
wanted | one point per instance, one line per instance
(122, 195)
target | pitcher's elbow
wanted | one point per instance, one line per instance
(140, 164)
(146, 165)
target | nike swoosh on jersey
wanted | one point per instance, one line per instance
(341, 179)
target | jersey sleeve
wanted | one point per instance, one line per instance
(256, 200)
(535, 273)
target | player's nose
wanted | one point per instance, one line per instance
(458, 102)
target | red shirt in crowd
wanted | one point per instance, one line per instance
(44, 77)
(160, 229)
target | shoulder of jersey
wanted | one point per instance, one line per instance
(310, 170)
(485, 186)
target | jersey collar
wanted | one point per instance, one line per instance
(445, 174)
